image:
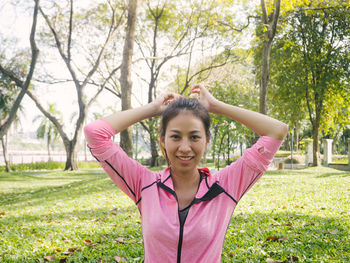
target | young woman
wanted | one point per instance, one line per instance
(185, 210)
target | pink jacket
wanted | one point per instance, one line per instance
(200, 235)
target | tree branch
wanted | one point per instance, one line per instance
(238, 29)
(70, 31)
(276, 13)
(113, 28)
(264, 12)
(35, 53)
(48, 115)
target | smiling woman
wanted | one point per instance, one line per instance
(185, 210)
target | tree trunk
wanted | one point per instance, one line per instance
(154, 149)
(264, 81)
(4, 151)
(315, 146)
(296, 138)
(48, 147)
(270, 25)
(22, 84)
(72, 157)
(125, 74)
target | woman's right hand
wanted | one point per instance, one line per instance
(161, 102)
(205, 97)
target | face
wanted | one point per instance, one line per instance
(185, 141)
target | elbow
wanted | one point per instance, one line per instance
(283, 131)
(88, 130)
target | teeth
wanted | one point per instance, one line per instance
(185, 158)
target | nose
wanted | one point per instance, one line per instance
(185, 146)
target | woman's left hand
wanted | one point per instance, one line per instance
(205, 98)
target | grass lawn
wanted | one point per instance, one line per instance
(300, 215)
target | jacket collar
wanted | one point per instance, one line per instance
(203, 187)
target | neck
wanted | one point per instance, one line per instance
(184, 178)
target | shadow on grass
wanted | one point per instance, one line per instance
(73, 186)
(310, 171)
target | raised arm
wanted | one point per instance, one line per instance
(259, 123)
(122, 120)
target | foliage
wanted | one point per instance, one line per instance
(313, 82)
(82, 216)
(233, 84)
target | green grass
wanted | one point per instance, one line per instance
(46, 166)
(81, 216)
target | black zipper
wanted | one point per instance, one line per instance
(179, 246)
(182, 222)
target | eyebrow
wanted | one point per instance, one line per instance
(177, 131)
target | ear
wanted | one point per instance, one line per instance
(162, 141)
(207, 143)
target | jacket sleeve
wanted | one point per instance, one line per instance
(241, 175)
(125, 172)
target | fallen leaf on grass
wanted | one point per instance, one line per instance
(294, 259)
(119, 259)
(90, 243)
(50, 258)
(2, 213)
(120, 240)
(274, 238)
(303, 224)
(72, 249)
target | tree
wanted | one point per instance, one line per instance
(125, 73)
(46, 128)
(11, 74)
(316, 75)
(269, 22)
(8, 95)
(61, 27)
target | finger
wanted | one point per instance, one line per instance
(170, 97)
(196, 88)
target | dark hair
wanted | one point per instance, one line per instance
(184, 104)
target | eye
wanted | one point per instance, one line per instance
(195, 137)
(175, 137)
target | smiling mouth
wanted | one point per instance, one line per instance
(185, 158)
